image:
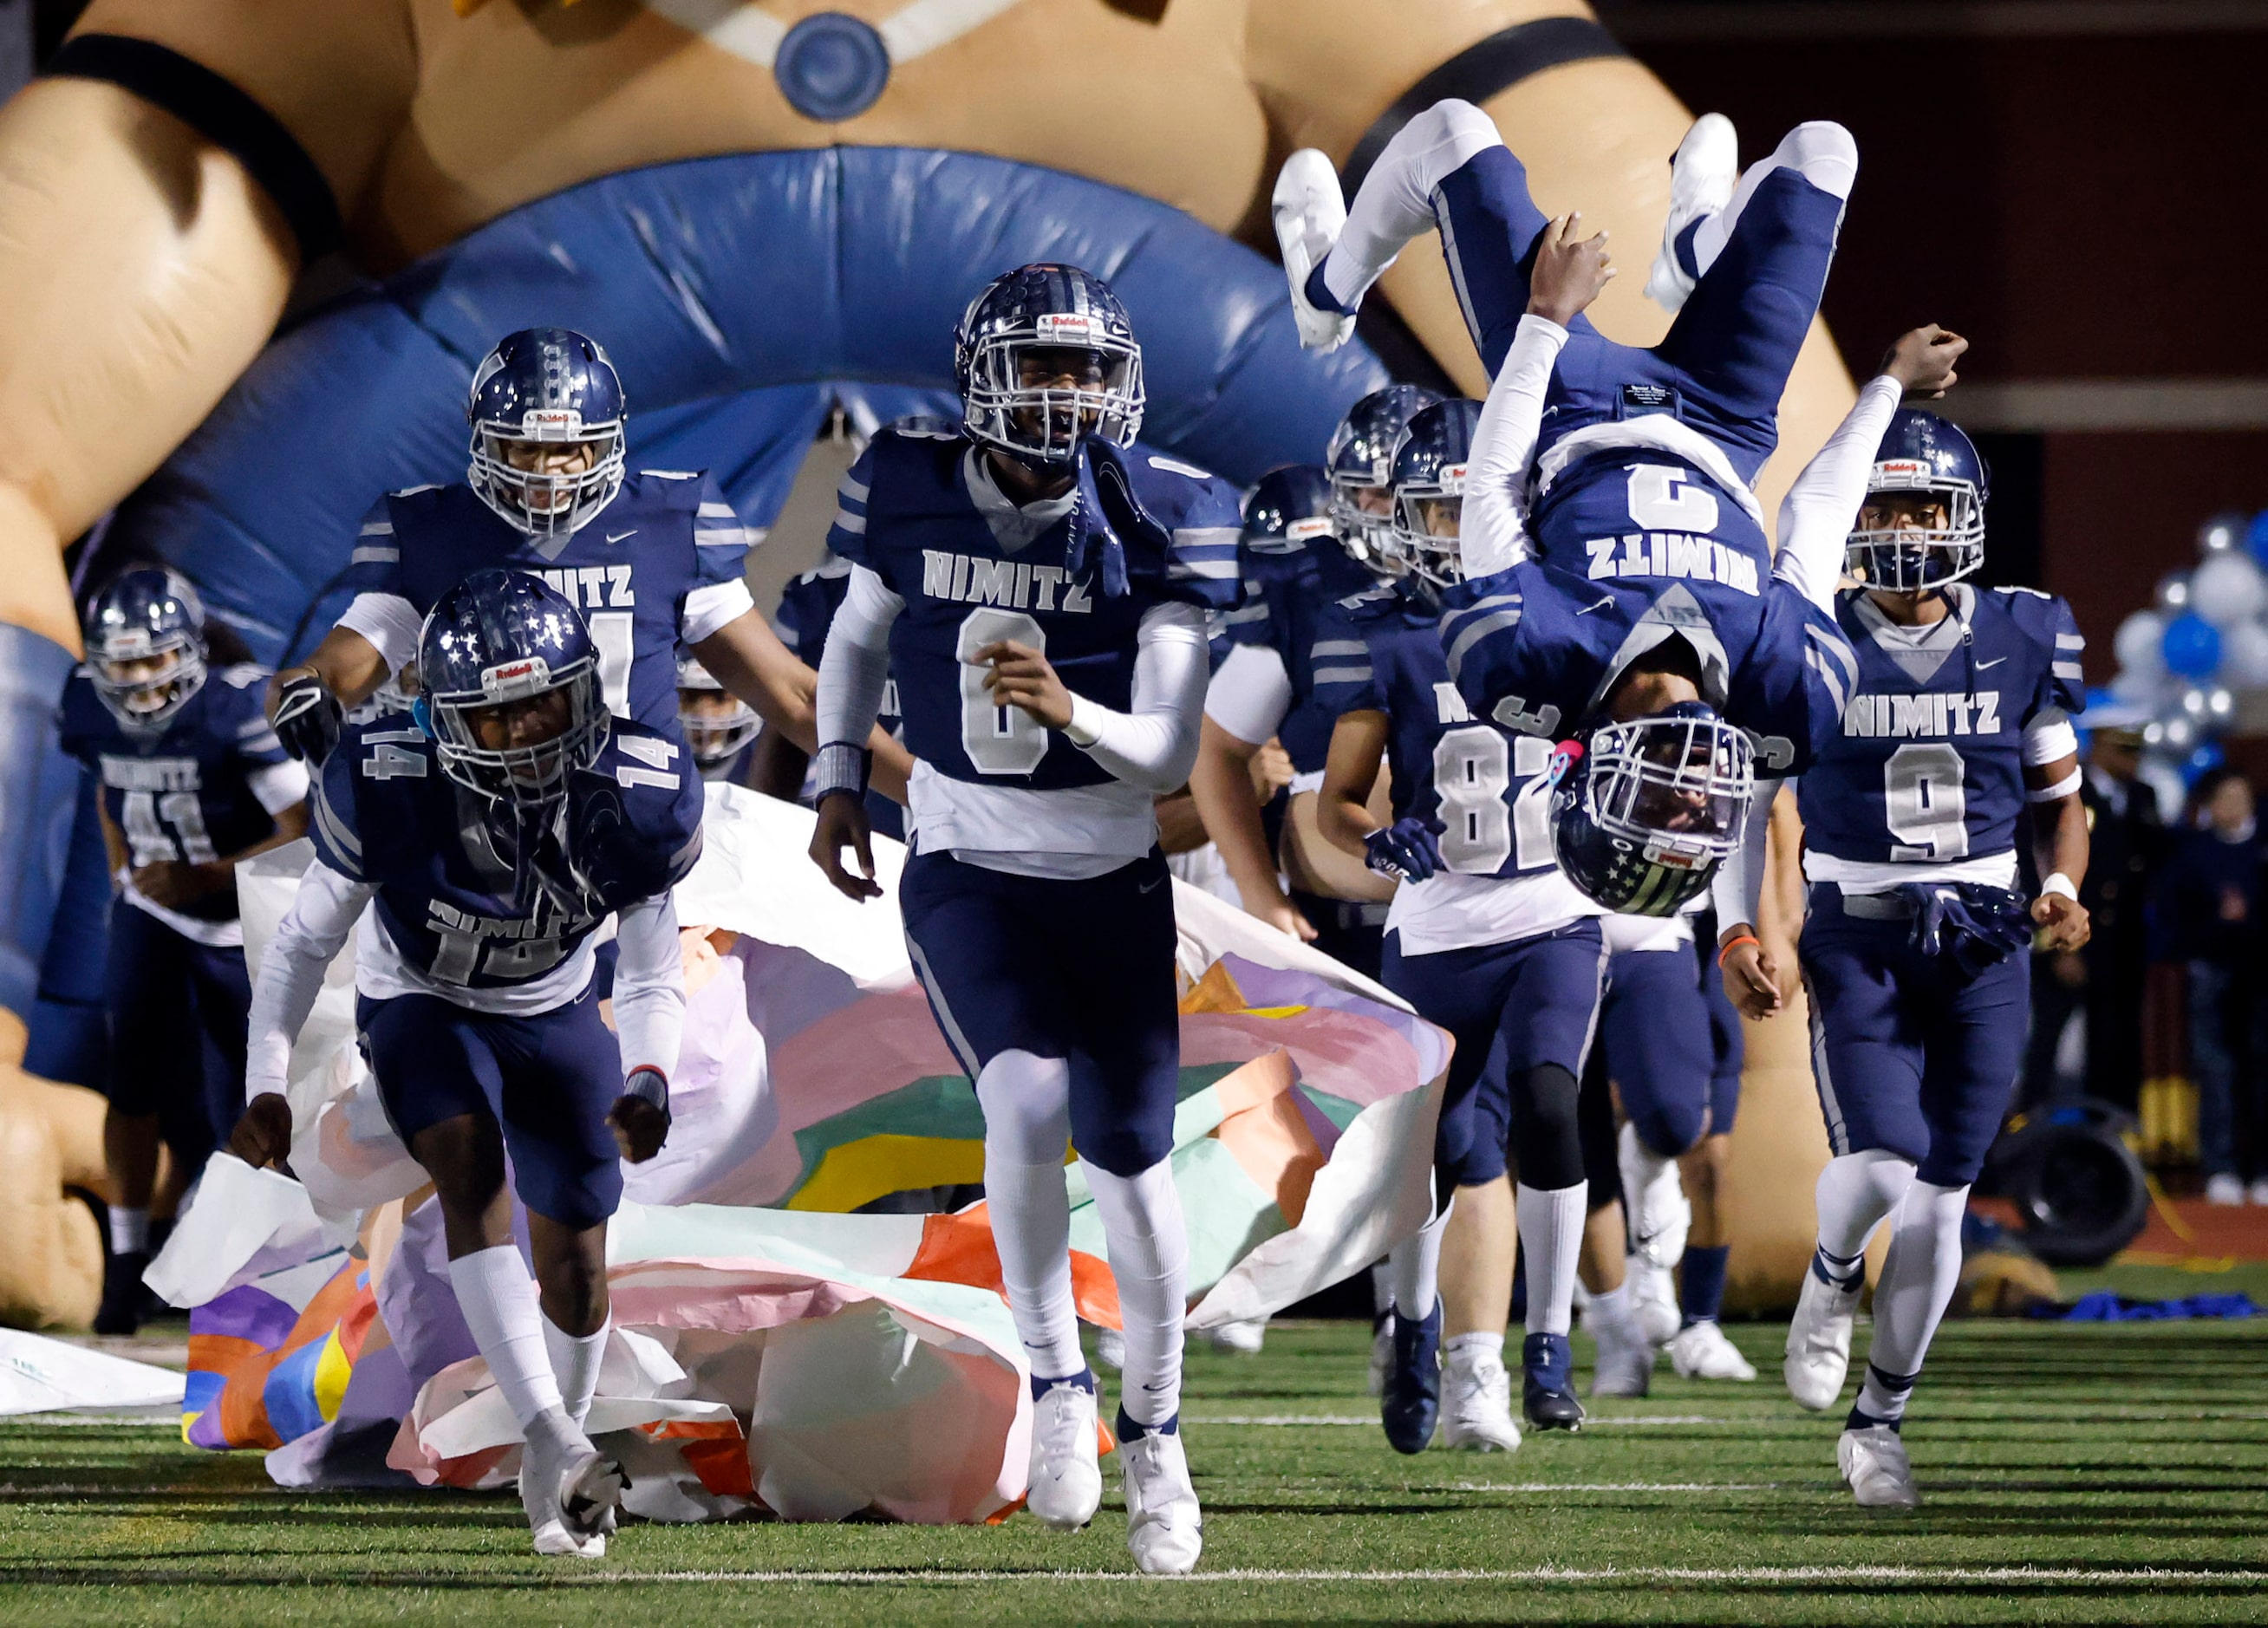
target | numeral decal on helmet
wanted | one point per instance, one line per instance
(1924, 804)
(999, 741)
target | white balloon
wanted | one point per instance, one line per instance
(2245, 656)
(2140, 643)
(2174, 592)
(2228, 589)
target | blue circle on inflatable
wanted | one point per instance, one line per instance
(2192, 646)
(831, 67)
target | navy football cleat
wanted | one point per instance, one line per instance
(1547, 1384)
(1410, 1406)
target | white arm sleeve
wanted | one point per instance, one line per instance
(389, 623)
(1250, 695)
(1817, 515)
(312, 931)
(649, 985)
(855, 663)
(1740, 884)
(1494, 529)
(2050, 738)
(1153, 745)
(279, 787)
(708, 609)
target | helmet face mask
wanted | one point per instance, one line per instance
(1361, 460)
(1646, 810)
(1429, 495)
(1046, 359)
(1922, 525)
(715, 723)
(511, 689)
(549, 450)
(145, 646)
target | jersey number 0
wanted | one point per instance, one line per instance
(999, 741)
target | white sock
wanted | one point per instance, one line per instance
(1919, 1278)
(1149, 1256)
(1466, 1350)
(1824, 152)
(1027, 1103)
(1550, 1238)
(1641, 1167)
(498, 1297)
(1381, 1287)
(129, 1231)
(575, 1361)
(1855, 1192)
(1414, 1266)
(1611, 1310)
(1395, 202)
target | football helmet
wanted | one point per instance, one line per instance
(493, 648)
(1360, 458)
(1643, 811)
(145, 646)
(1044, 358)
(553, 386)
(711, 733)
(1923, 456)
(1429, 492)
(1290, 509)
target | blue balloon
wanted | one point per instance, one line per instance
(2255, 537)
(2192, 646)
(2198, 765)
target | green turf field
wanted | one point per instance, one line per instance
(2071, 1475)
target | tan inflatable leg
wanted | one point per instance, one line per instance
(50, 1138)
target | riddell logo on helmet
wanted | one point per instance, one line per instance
(1300, 531)
(550, 420)
(1900, 468)
(1067, 325)
(1670, 857)
(1452, 472)
(509, 678)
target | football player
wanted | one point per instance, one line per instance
(1914, 950)
(718, 726)
(1038, 586)
(651, 558)
(192, 780)
(1673, 1048)
(490, 838)
(1630, 468)
(1484, 937)
(1293, 566)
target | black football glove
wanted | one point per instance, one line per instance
(308, 719)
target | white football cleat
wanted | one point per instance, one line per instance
(1310, 212)
(568, 1488)
(1818, 1341)
(1163, 1528)
(1245, 1337)
(1873, 1460)
(1382, 1354)
(1476, 1405)
(1653, 1297)
(1703, 173)
(1066, 1482)
(1625, 1361)
(1702, 1351)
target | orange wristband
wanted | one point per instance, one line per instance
(1732, 944)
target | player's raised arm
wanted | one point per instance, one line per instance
(852, 672)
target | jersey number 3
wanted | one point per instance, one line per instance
(999, 741)
(1924, 804)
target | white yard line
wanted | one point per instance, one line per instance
(1736, 1574)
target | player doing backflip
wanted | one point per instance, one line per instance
(489, 838)
(1037, 586)
(1914, 951)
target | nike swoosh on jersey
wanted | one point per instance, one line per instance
(1604, 600)
(1150, 886)
(1995, 662)
(618, 537)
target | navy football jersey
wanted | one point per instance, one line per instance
(1538, 649)
(1489, 786)
(664, 536)
(184, 793)
(907, 513)
(1928, 766)
(806, 611)
(387, 816)
(1288, 588)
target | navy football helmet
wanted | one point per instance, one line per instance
(1046, 357)
(145, 646)
(1429, 492)
(1360, 458)
(495, 647)
(1927, 458)
(1289, 510)
(717, 722)
(554, 387)
(1643, 811)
